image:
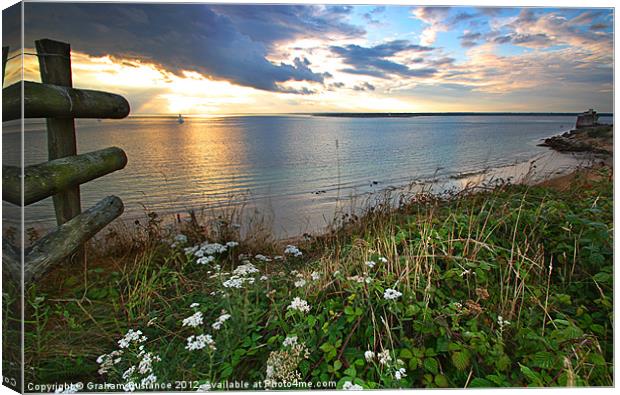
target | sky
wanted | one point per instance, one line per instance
(199, 59)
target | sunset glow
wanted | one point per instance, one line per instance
(349, 58)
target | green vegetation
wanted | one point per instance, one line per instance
(505, 287)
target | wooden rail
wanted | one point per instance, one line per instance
(43, 100)
(69, 237)
(57, 101)
(49, 178)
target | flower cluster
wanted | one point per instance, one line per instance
(349, 386)
(131, 337)
(217, 325)
(193, 320)
(282, 364)
(391, 294)
(199, 342)
(290, 341)
(292, 250)
(384, 357)
(202, 340)
(241, 275)
(206, 251)
(139, 374)
(300, 305)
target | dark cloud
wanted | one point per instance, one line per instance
(599, 26)
(442, 61)
(369, 16)
(273, 23)
(462, 16)
(364, 87)
(224, 42)
(372, 60)
(469, 39)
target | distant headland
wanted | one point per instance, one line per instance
(428, 114)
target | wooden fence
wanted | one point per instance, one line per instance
(60, 177)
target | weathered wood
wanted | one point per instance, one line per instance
(55, 67)
(52, 101)
(11, 262)
(49, 178)
(5, 55)
(66, 239)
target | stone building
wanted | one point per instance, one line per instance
(587, 119)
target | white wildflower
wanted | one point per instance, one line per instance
(262, 257)
(263, 278)
(244, 270)
(391, 294)
(146, 363)
(194, 320)
(199, 342)
(349, 386)
(131, 336)
(502, 322)
(107, 361)
(232, 244)
(220, 320)
(383, 259)
(278, 257)
(148, 380)
(205, 260)
(129, 372)
(234, 282)
(315, 276)
(300, 283)
(400, 373)
(292, 250)
(130, 386)
(194, 305)
(371, 264)
(290, 341)
(384, 357)
(299, 304)
(369, 356)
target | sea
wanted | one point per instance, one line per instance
(297, 173)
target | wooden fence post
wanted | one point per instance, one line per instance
(55, 68)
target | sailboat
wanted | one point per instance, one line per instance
(180, 119)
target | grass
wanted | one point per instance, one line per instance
(505, 287)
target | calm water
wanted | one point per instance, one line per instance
(280, 163)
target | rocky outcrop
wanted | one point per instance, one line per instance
(597, 139)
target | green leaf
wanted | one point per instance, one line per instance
(543, 359)
(461, 359)
(532, 377)
(326, 347)
(431, 365)
(479, 382)
(406, 354)
(441, 381)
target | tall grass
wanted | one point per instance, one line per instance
(502, 286)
